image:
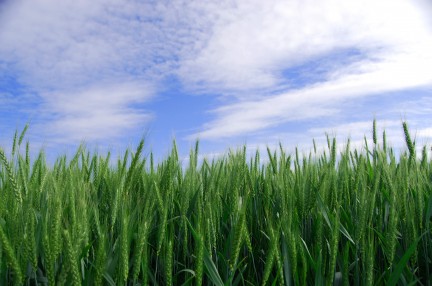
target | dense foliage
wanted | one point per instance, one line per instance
(356, 217)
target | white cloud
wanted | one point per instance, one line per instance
(425, 132)
(72, 54)
(392, 37)
(68, 43)
(96, 113)
(416, 107)
(89, 62)
(320, 100)
(254, 41)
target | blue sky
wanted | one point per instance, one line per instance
(108, 72)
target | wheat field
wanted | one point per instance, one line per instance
(351, 217)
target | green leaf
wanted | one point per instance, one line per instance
(286, 262)
(210, 267)
(319, 279)
(211, 270)
(428, 211)
(343, 230)
(397, 272)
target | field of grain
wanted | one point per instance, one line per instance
(356, 217)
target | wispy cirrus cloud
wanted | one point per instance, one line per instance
(315, 101)
(254, 41)
(91, 65)
(390, 40)
(95, 113)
